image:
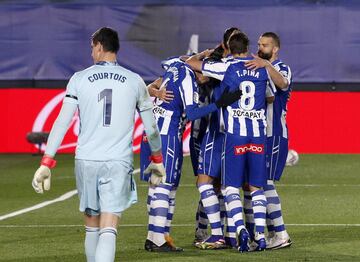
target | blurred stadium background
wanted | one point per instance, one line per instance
(44, 42)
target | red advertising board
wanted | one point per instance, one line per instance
(319, 122)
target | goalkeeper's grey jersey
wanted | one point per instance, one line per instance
(107, 96)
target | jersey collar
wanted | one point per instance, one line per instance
(106, 63)
(276, 62)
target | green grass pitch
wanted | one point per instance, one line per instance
(320, 200)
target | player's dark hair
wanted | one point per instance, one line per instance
(228, 32)
(274, 36)
(239, 43)
(217, 54)
(108, 38)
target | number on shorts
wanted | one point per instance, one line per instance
(106, 94)
(247, 100)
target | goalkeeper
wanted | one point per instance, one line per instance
(107, 96)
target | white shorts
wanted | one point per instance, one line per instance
(105, 186)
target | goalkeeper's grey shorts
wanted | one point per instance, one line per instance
(105, 186)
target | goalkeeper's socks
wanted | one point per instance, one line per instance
(211, 205)
(249, 214)
(234, 206)
(105, 250)
(150, 195)
(274, 209)
(259, 208)
(171, 211)
(91, 240)
(158, 214)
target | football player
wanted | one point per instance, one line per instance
(245, 138)
(277, 136)
(182, 81)
(107, 96)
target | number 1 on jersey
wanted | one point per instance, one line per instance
(106, 94)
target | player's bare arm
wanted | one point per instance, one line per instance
(195, 61)
(279, 80)
(161, 93)
(184, 57)
(270, 99)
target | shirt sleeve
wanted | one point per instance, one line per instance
(144, 101)
(270, 88)
(151, 130)
(189, 89)
(71, 95)
(60, 127)
(285, 71)
(191, 99)
(214, 69)
(165, 64)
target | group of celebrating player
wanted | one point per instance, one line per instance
(239, 139)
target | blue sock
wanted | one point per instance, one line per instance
(212, 208)
(158, 214)
(259, 207)
(274, 208)
(234, 205)
(150, 195)
(249, 214)
(171, 211)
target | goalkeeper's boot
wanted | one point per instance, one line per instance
(213, 242)
(171, 243)
(278, 241)
(243, 240)
(259, 243)
(152, 247)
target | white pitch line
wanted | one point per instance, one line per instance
(174, 225)
(41, 205)
(136, 171)
(46, 203)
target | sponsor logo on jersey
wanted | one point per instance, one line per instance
(159, 111)
(252, 114)
(253, 148)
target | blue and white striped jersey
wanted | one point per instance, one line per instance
(216, 69)
(170, 116)
(247, 117)
(276, 112)
(200, 125)
(181, 80)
